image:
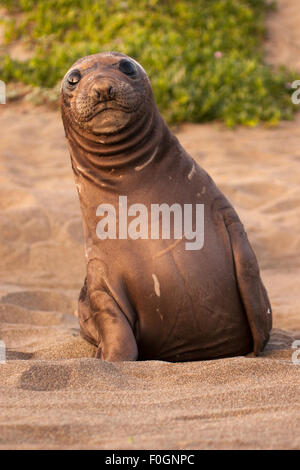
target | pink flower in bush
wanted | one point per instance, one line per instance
(218, 54)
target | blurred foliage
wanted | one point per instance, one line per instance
(203, 57)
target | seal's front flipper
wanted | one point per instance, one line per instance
(117, 341)
(87, 330)
(103, 324)
(251, 288)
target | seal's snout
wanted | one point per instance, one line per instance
(102, 90)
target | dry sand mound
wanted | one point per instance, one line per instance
(79, 402)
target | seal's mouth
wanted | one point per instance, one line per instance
(109, 106)
(109, 118)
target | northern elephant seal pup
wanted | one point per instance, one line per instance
(170, 272)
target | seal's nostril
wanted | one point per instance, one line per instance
(110, 91)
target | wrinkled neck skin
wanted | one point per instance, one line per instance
(100, 159)
(106, 167)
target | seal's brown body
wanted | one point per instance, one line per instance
(147, 298)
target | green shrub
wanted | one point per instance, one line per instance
(203, 57)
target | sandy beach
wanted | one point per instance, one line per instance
(53, 393)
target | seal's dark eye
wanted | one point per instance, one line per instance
(74, 78)
(127, 67)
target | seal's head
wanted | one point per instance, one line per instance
(103, 94)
